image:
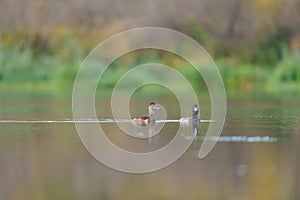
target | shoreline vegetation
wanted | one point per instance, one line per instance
(30, 60)
(255, 44)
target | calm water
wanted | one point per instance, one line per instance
(257, 156)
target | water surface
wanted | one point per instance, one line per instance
(256, 157)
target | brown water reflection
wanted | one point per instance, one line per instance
(48, 161)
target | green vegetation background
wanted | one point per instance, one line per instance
(29, 61)
(49, 59)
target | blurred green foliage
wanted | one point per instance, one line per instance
(30, 58)
(286, 76)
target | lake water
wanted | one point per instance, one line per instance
(256, 157)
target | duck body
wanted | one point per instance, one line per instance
(146, 119)
(193, 118)
(141, 120)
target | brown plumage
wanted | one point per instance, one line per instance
(146, 120)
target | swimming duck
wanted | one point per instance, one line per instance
(194, 118)
(145, 120)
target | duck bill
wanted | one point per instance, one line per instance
(156, 108)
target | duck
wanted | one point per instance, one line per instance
(194, 118)
(146, 119)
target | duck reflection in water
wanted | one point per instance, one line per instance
(194, 120)
(148, 122)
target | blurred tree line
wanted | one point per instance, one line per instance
(241, 27)
(240, 31)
